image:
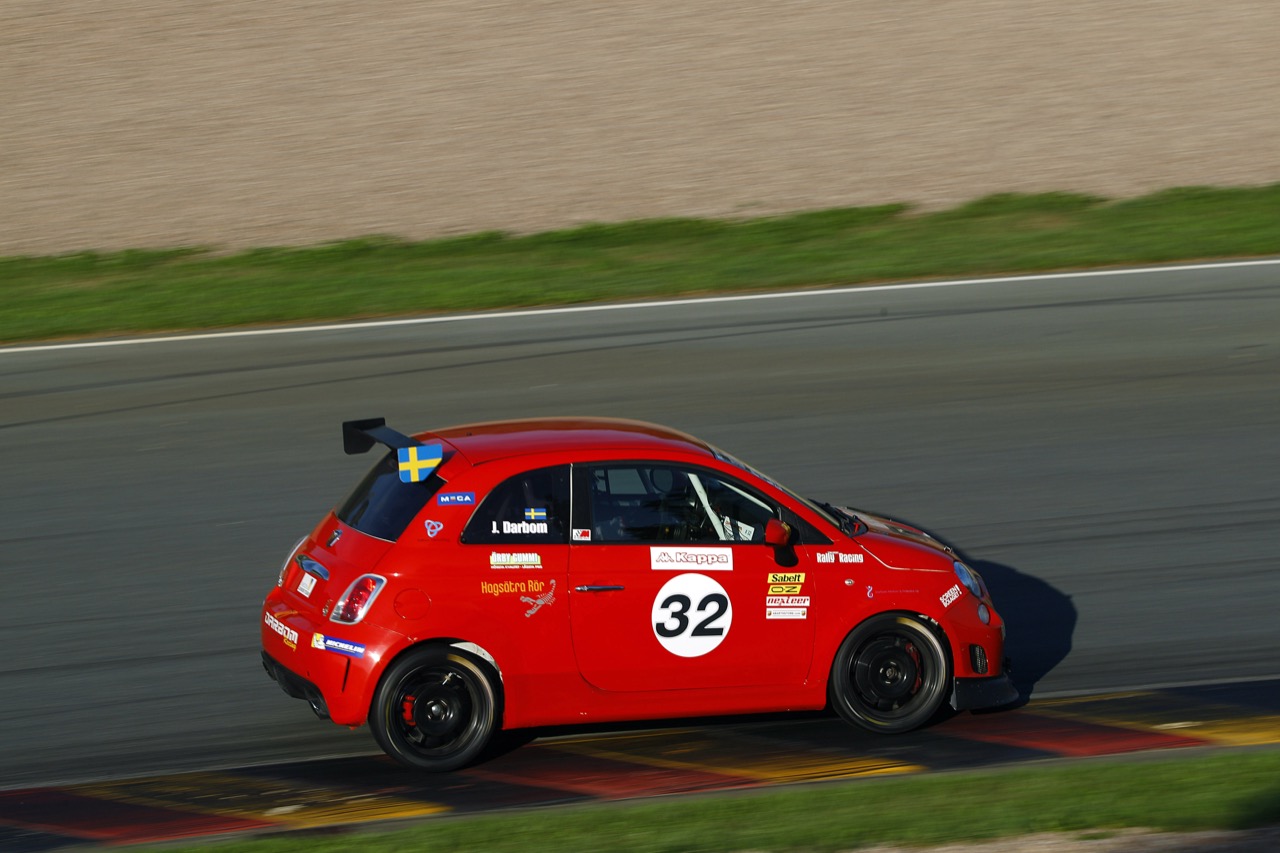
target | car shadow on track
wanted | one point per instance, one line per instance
(1039, 620)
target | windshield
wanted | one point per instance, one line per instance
(827, 511)
(381, 505)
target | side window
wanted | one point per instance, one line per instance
(642, 502)
(530, 508)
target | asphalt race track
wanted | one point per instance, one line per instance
(1104, 449)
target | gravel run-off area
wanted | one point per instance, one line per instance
(155, 123)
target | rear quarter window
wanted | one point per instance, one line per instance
(381, 505)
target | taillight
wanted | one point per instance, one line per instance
(357, 600)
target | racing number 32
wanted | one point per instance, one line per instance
(691, 615)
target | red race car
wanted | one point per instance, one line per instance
(545, 572)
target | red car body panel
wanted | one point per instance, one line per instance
(574, 628)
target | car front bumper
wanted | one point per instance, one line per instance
(970, 694)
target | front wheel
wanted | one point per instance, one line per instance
(436, 708)
(890, 674)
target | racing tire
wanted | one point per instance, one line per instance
(436, 708)
(890, 675)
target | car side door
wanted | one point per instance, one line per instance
(671, 582)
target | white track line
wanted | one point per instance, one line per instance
(627, 306)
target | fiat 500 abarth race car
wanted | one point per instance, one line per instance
(532, 573)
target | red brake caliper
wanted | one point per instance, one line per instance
(406, 710)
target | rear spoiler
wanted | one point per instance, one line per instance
(360, 436)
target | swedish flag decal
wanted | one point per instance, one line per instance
(535, 514)
(417, 462)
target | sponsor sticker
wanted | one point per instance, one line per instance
(333, 644)
(520, 527)
(433, 528)
(456, 498)
(515, 560)
(286, 633)
(306, 584)
(678, 559)
(787, 601)
(837, 557)
(784, 588)
(949, 597)
(581, 534)
(691, 615)
(417, 462)
(786, 613)
(786, 577)
(528, 586)
(535, 604)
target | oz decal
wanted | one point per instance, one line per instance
(691, 615)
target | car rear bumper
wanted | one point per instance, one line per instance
(971, 694)
(295, 685)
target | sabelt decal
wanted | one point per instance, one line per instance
(787, 601)
(515, 560)
(785, 583)
(786, 613)
(949, 597)
(333, 644)
(680, 559)
(286, 633)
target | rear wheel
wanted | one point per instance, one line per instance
(436, 708)
(890, 674)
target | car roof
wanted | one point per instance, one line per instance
(485, 442)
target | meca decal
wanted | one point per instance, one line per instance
(713, 559)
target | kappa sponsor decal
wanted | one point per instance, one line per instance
(786, 613)
(333, 644)
(786, 601)
(837, 557)
(949, 597)
(678, 559)
(515, 560)
(286, 633)
(456, 498)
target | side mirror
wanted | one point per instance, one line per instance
(777, 533)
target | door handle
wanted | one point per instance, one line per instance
(597, 588)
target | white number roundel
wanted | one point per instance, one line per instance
(691, 615)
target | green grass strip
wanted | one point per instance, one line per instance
(91, 293)
(1235, 790)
